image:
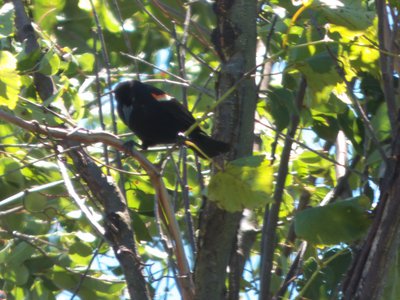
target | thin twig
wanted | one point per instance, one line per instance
(166, 29)
(320, 266)
(98, 99)
(11, 211)
(121, 182)
(137, 58)
(126, 37)
(271, 216)
(317, 152)
(181, 56)
(20, 195)
(85, 274)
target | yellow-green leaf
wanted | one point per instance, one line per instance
(10, 81)
(244, 183)
(49, 64)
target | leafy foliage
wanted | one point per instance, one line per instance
(243, 183)
(334, 223)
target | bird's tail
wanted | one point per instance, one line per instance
(206, 146)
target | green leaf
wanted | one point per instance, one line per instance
(20, 253)
(35, 202)
(244, 183)
(86, 62)
(311, 163)
(10, 81)
(28, 61)
(18, 274)
(343, 221)
(326, 280)
(11, 169)
(6, 251)
(49, 64)
(91, 287)
(141, 202)
(326, 127)
(6, 20)
(110, 22)
(40, 264)
(353, 128)
(140, 229)
(81, 248)
(46, 12)
(39, 291)
(322, 79)
(381, 123)
(281, 105)
(349, 13)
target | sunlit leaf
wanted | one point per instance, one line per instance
(139, 227)
(11, 170)
(348, 13)
(86, 62)
(5, 252)
(49, 64)
(6, 20)
(9, 80)
(244, 183)
(45, 12)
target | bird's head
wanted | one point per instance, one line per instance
(127, 91)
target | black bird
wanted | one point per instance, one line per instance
(157, 118)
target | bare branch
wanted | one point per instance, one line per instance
(271, 216)
(16, 197)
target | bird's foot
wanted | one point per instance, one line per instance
(129, 145)
(181, 139)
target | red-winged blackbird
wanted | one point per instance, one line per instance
(157, 118)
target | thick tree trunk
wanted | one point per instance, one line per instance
(235, 41)
(373, 265)
(370, 271)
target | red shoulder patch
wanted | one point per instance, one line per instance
(162, 97)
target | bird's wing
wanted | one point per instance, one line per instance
(178, 112)
(157, 93)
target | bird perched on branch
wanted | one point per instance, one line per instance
(157, 118)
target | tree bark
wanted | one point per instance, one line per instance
(372, 264)
(235, 41)
(119, 232)
(369, 273)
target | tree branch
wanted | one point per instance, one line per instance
(271, 216)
